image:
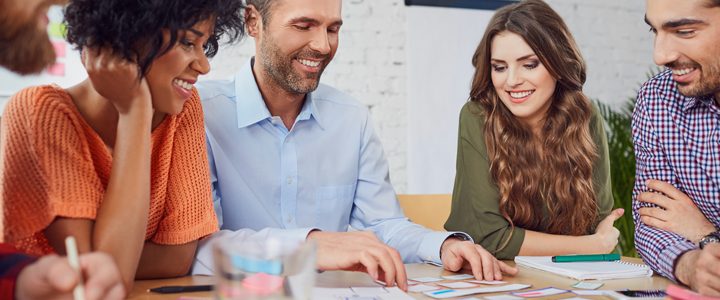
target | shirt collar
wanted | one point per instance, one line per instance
(691, 102)
(250, 105)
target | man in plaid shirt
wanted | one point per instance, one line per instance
(676, 134)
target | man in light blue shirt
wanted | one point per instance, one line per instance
(296, 160)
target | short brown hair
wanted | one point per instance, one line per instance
(263, 7)
(713, 3)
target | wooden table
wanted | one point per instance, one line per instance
(538, 279)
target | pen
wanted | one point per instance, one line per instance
(586, 257)
(72, 254)
(172, 289)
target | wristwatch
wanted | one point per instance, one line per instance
(713, 237)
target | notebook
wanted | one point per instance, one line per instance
(586, 270)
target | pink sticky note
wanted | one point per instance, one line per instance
(58, 69)
(60, 47)
(263, 284)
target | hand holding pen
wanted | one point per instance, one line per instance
(52, 277)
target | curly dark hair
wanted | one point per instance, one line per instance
(133, 29)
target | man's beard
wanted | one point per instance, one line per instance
(707, 84)
(27, 51)
(281, 71)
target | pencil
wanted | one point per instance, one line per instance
(72, 254)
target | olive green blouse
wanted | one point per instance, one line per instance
(475, 200)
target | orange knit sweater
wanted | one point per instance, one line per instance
(55, 165)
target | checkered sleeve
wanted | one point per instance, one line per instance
(658, 248)
(11, 263)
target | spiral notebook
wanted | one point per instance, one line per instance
(586, 270)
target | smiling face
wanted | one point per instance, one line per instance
(172, 75)
(297, 42)
(521, 81)
(687, 41)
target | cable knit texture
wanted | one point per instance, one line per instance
(55, 165)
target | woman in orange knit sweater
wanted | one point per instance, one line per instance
(119, 160)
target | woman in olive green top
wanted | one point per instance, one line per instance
(533, 176)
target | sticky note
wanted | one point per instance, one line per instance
(58, 69)
(60, 47)
(57, 30)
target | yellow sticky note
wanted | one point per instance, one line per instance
(57, 30)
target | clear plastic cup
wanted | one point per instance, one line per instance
(264, 269)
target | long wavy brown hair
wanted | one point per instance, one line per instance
(549, 190)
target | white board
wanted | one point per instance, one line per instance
(440, 45)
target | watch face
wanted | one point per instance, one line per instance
(710, 238)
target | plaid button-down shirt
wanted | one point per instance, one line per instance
(677, 140)
(11, 263)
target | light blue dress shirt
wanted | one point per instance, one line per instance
(328, 172)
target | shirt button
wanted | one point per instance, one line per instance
(289, 180)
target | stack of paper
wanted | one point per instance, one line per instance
(586, 270)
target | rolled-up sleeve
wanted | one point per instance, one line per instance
(659, 248)
(475, 202)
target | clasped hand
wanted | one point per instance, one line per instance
(674, 211)
(117, 80)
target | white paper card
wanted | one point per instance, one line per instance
(381, 293)
(369, 291)
(585, 285)
(432, 263)
(426, 279)
(450, 293)
(331, 293)
(458, 285)
(503, 297)
(419, 288)
(395, 293)
(588, 292)
(458, 277)
(541, 292)
(488, 282)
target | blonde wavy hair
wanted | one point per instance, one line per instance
(556, 182)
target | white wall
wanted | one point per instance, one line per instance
(439, 73)
(372, 65)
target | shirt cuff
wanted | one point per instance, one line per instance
(429, 250)
(667, 258)
(13, 264)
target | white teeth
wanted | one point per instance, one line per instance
(681, 72)
(183, 84)
(309, 63)
(519, 95)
